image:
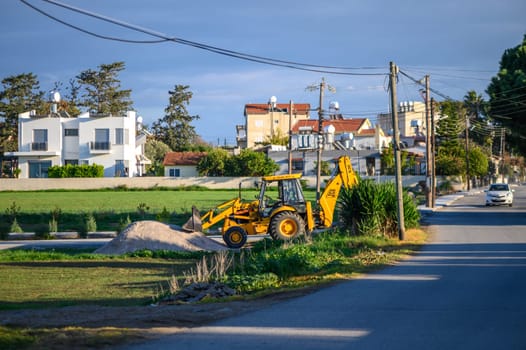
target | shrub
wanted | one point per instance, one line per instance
(15, 227)
(91, 224)
(124, 222)
(370, 208)
(163, 216)
(70, 170)
(53, 225)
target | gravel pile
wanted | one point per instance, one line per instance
(154, 235)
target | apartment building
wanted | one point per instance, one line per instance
(55, 139)
(266, 120)
(411, 119)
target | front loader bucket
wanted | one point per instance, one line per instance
(194, 223)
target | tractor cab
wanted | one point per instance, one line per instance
(279, 191)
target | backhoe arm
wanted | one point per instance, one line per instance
(344, 176)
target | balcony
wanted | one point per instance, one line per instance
(97, 147)
(38, 146)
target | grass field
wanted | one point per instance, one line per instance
(113, 282)
(108, 207)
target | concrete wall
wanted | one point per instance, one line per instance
(149, 182)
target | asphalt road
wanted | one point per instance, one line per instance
(465, 290)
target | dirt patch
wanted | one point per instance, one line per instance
(154, 235)
(139, 322)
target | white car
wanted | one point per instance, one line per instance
(499, 194)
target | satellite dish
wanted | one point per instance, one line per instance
(139, 119)
(273, 100)
(330, 129)
(55, 96)
(334, 105)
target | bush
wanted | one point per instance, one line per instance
(91, 224)
(15, 227)
(371, 209)
(70, 170)
(124, 222)
(53, 225)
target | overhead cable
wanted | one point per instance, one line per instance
(218, 50)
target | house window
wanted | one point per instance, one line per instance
(84, 162)
(175, 172)
(71, 162)
(102, 139)
(38, 169)
(119, 136)
(39, 140)
(71, 132)
(297, 164)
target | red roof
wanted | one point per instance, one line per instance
(263, 108)
(366, 132)
(183, 158)
(340, 125)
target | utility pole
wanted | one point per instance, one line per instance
(322, 87)
(320, 142)
(433, 172)
(291, 105)
(396, 147)
(468, 178)
(429, 200)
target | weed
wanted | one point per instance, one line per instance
(15, 227)
(91, 223)
(12, 211)
(142, 209)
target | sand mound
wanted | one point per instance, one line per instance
(155, 235)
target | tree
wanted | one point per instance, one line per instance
(387, 160)
(155, 151)
(251, 163)
(102, 93)
(507, 92)
(480, 125)
(174, 128)
(451, 154)
(21, 93)
(278, 138)
(213, 164)
(478, 162)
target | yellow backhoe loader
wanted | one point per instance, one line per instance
(284, 217)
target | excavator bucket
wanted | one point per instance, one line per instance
(194, 223)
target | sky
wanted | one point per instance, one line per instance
(458, 43)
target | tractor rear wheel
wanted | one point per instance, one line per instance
(286, 225)
(235, 237)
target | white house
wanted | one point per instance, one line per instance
(182, 164)
(56, 139)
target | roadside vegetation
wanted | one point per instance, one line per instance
(56, 278)
(110, 208)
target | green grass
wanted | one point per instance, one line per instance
(110, 207)
(117, 201)
(51, 279)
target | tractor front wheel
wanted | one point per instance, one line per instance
(235, 237)
(286, 225)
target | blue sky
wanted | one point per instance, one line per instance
(458, 43)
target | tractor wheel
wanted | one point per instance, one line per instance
(235, 237)
(286, 225)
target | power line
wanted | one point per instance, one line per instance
(217, 50)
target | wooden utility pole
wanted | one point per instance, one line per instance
(320, 141)
(291, 105)
(433, 172)
(468, 178)
(429, 201)
(396, 147)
